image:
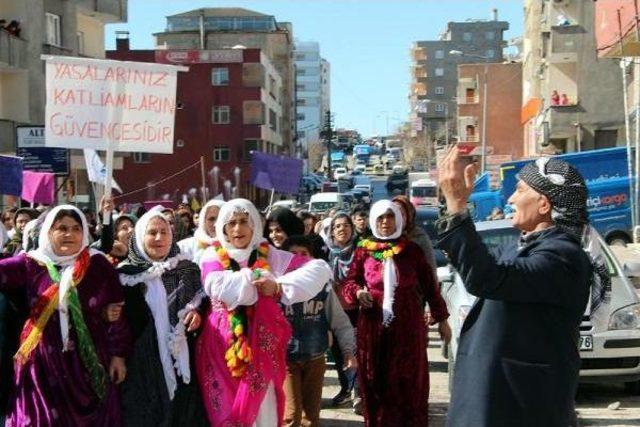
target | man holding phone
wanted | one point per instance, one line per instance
(518, 359)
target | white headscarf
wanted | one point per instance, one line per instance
(201, 232)
(255, 222)
(389, 273)
(45, 254)
(156, 298)
(141, 229)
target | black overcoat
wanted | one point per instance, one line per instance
(518, 358)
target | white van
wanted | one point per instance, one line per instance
(609, 350)
(320, 203)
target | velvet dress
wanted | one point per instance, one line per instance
(53, 387)
(393, 370)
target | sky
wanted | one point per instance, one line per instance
(367, 42)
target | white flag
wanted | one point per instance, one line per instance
(96, 170)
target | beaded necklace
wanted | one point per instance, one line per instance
(382, 250)
(238, 355)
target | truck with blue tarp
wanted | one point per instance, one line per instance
(606, 174)
(361, 153)
(338, 158)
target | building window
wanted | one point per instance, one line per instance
(300, 88)
(300, 117)
(301, 101)
(300, 71)
(141, 158)
(249, 146)
(80, 39)
(53, 29)
(439, 108)
(439, 54)
(439, 90)
(300, 57)
(273, 120)
(439, 72)
(490, 35)
(221, 115)
(466, 37)
(220, 76)
(302, 133)
(491, 53)
(272, 87)
(221, 154)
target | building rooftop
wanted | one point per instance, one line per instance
(219, 11)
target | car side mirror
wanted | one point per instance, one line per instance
(632, 268)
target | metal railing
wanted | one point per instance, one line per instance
(12, 50)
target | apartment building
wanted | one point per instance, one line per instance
(228, 104)
(313, 88)
(571, 99)
(435, 71)
(224, 28)
(55, 27)
(504, 132)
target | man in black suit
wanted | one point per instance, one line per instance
(518, 360)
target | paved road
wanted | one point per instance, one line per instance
(592, 401)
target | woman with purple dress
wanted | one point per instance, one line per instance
(70, 355)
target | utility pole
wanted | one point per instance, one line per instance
(328, 136)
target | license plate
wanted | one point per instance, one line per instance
(586, 342)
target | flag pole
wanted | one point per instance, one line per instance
(106, 219)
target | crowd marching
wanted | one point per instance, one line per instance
(225, 317)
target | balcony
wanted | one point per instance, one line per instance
(13, 52)
(419, 89)
(107, 11)
(565, 43)
(419, 72)
(464, 100)
(49, 49)
(562, 119)
(419, 54)
(468, 138)
(467, 92)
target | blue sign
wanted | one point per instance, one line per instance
(11, 175)
(37, 157)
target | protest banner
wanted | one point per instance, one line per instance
(276, 173)
(38, 187)
(10, 175)
(110, 105)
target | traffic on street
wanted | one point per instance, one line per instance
(285, 213)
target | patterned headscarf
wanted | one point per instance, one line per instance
(566, 190)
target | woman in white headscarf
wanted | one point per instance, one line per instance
(205, 234)
(243, 363)
(390, 279)
(164, 302)
(70, 357)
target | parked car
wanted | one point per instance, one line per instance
(359, 169)
(610, 352)
(289, 204)
(339, 173)
(397, 182)
(363, 187)
(320, 203)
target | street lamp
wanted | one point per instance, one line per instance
(485, 95)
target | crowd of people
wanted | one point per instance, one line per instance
(225, 317)
(219, 317)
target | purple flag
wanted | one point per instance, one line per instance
(278, 173)
(38, 187)
(11, 175)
